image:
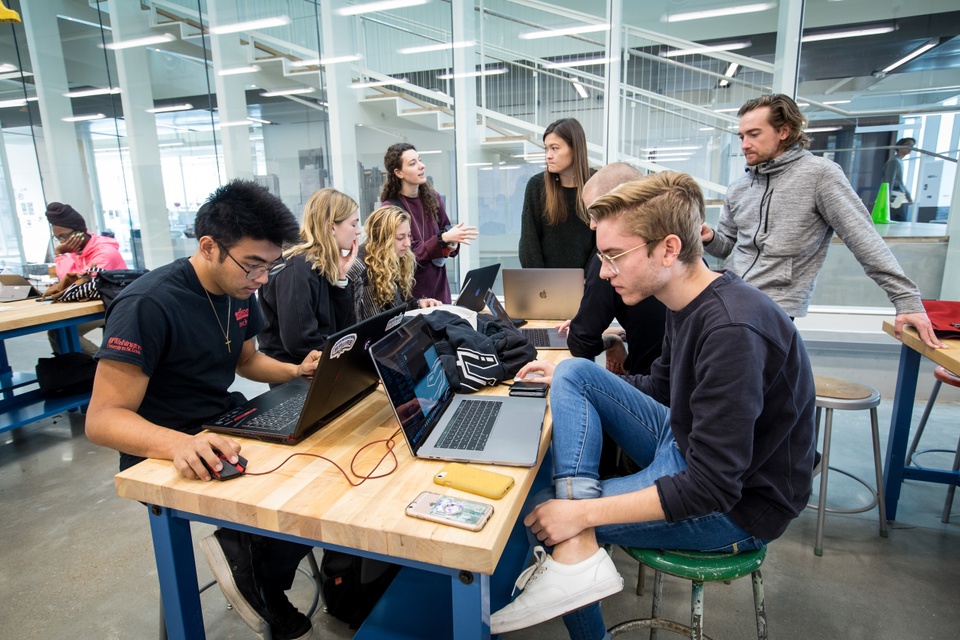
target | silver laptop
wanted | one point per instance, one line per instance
(440, 424)
(15, 287)
(541, 338)
(542, 294)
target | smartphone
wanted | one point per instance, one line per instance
(455, 512)
(529, 389)
(474, 480)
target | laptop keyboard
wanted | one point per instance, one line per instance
(538, 337)
(280, 416)
(470, 426)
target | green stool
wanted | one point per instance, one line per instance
(698, 567)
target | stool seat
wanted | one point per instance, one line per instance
(949, 377)
(836, 393)
(701, 565)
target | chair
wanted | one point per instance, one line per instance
(698, 567)
(313, 576)
(844, 395)
(941, 375)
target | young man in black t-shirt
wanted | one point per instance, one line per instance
(173, 343)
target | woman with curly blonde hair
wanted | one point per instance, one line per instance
(382, 276)
(309, 299)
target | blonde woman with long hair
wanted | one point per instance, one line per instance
(382, 276)
(310, 299)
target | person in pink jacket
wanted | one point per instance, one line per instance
(76, 251)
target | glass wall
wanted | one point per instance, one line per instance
(135, 112)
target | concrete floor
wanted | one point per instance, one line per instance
(77, 561)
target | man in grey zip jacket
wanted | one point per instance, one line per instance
(778, 220)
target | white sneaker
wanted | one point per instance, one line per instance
(551, 589)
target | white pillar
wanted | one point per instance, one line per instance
(227, 53)
(344, 102)
(129, 21)
(950, 289)
(467, 134)
(787, 61)
(611, 106)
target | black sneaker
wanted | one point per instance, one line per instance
(817, 459)
(286, 622)
(230, 557)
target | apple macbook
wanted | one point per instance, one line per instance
(541, 338)
(542, 294)
(440, 424)
(475, 286)
(345, 375)
(15, 287)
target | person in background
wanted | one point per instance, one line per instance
(382, 277)
(76, 251)
(893, 176)
(778, 219)
(175, 340)
(309, 299)
(723, 426)
(555, 229)
(433, 238)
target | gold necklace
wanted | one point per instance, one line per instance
(225, 332)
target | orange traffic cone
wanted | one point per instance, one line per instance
(881, 208)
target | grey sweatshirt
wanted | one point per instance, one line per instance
(776, 227)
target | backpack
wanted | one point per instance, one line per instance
(111, 283)
(476, 358)
(352, 586)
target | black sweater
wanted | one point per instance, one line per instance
(568, 245)
(738, 382)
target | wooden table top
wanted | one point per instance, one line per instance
(310, 498)
(948, 358)
(26, 313)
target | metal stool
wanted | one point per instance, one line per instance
(942, 375)
(839, 394)
(698, 567)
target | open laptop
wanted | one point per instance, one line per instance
(345, 375)
(541, 338)
(542, 294)
(16, 287)
(475, 286)
(440, 424)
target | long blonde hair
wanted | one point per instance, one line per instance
(325, 208)
(386, 271)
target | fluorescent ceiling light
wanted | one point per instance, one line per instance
(707, 128)
(473, 74)
(727, 110)
(803, 104)
(662, 149)
(140, 42)
(7, 67)
(716, 13)
(92, 116)
(440, 46)
(235, 123)
(822, 129)
(377, 83)
(288, 92)
(836, 102)
(581, 90)
(848, 33)
(15, 74)
(4, 104)
(86, 22)
(170, 108)
(236, 71)
(532, 156)
(85, 93)
(729, 73)
(916, 53)
(478, 164)
(729, 46)
(252, 119)
(170, 144)
(250, 25)
(578, 63)
(328, 60)
(431, 152)
(659, 160)
(383, 5)
(567, 31)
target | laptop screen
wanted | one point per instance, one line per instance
(496, 308)
(413, 378)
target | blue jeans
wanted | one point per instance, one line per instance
(586, 400)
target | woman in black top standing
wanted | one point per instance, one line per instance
(555, 228)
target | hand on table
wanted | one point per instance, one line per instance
(187, 460)
(544, 368)
(429, 302)
(921, 323)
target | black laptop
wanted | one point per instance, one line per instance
(345, 375)
(475, 286)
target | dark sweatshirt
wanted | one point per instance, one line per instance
(738, 382)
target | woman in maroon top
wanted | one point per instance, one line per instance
(434, 238)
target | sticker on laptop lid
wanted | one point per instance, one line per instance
(343, 345)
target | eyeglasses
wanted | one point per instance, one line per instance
(63, 237)
(610, 259)
(255, 272)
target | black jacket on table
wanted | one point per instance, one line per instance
(643, 323)
(301, 308)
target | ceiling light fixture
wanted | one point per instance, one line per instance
(729, 46)
(7, 67)
(313, 62)
(567, 31)
(848, 33)
(140, 42)
(86, 93)
(383, 5)
(378, 83)
(916, 53)
(729, 73)
(92, 116)
(236, 71)
(581, 90)
(662, 149)
(578, 63)
(717, 13)
(171, 108)
(288, 92)
(836, 102)
(822, 129)
(252, 119)
(473, 74)
(4, 104)
(441, 46)
(85, 22)
(250, 25)
(235, 123)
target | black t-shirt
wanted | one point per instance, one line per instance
(164, 324)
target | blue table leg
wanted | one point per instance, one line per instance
(177, 571)
(903, 399)
(471, 604)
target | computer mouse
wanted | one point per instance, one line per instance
(229, 469)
